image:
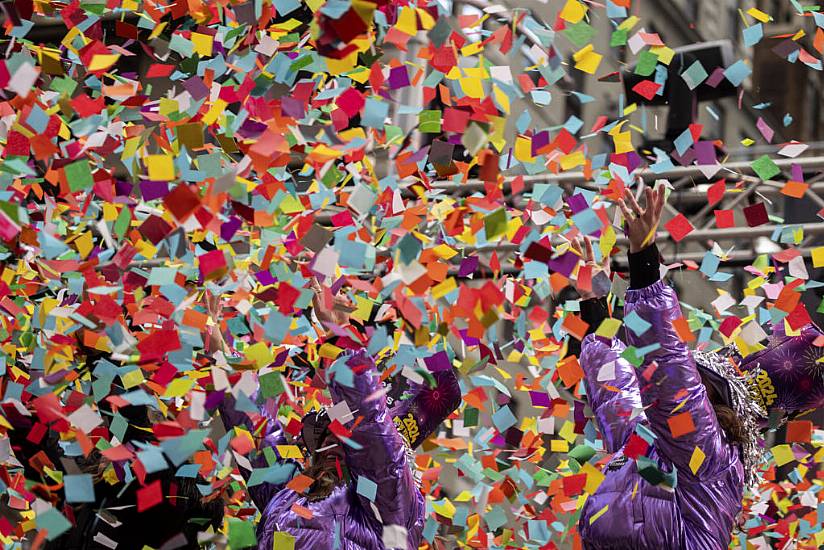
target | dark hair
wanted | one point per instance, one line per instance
(325, 480)
(729, 421)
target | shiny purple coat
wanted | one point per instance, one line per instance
(346, 520)
(699, 513)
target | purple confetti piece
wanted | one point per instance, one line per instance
(468, 266)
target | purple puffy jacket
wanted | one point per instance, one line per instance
(345, 520)
(626, 511)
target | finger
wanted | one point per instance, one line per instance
(575, 244)
(662, 200)
(624, 210)
(634, 204)
(590, 254)
(649, 200)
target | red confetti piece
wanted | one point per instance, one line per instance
(679, 227)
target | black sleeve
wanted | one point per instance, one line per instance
(593, 312)
(644, 267)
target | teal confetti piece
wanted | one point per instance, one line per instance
(367, 488)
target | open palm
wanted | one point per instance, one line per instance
(642, 223)
(595, 268)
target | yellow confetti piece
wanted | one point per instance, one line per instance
(84, 244)
(363, 308)
(783, 454)
(445, 252)
(567, 431)
(343, 65)
(260, 354)
(217, 108)
(161, 167)
(329, 351)
(444, 288)
(608, 327)
(352, 133)
(623, 142)
(573, 11)
(598, 514)
(664, 54)
(102, 62)
(427, 21)
(445, 508)
(202, 43)
(501, 98)
(283, 541)
(572, 160)
(326, 152)
(628, 23)
(464, 496)
(289, 451)
(168, 106)
(360, 74)
(506, 376)
(157, 30)
(132, 378)
(291, 205)
(759, 15)
(594, 477)
(146, 249)
(587, 60)
(523, 149)
(178, 387)
(818, 256)
(472, 87)
(696, 460)
(472, 49)
(407, 21)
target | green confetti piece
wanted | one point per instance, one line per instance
(646, 63)
(241, 534)
(580, 34)
(631, 355)
(429, 121)
(765, 168)
(495, 224)
(121, 225)
(582, 453)
(271, 384)
(471, 414)
(79, 175)
(618, 38)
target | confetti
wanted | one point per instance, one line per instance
(156, 157)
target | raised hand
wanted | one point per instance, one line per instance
(214, 309)
(642, 223)
(335, 313)
(599, 272)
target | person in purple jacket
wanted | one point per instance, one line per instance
(365, 493)
(672, 487)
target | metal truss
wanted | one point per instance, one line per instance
(688, 196)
